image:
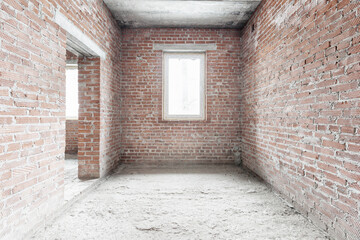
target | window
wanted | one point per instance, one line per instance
(184, 86)
(72, 102)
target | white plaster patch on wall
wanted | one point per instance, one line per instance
(185, 47)
(281, 18)
(256, 37)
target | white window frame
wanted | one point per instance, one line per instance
(165, 96)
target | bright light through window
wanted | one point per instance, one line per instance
(72, 105)
(184, 86)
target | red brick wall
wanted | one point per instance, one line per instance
(71, 56)
(145, 136)
(89, 117)
(300, 108)
(71, 136)
(32, 104)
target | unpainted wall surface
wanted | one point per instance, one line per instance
(300, 108)
(146, 137)
(71, 145)
(32, 103)
(89, 117)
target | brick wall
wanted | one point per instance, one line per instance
(71, 57)
(300, 108)
(145, 136)
(71, 145)
(89, 117)
(32, 104)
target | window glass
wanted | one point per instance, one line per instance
(184, 86)
(72, 104)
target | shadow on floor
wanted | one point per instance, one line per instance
(73, 185)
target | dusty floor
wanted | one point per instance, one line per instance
(73, 185)
(212, 202)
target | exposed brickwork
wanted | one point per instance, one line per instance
(71, 56)
(32, 104)
(287, 93)
(89, 117)
(71, 136)
(300, 108)
(146, 137)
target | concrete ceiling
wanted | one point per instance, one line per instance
(182, 13)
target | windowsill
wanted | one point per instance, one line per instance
(193, 121)
(184, 119)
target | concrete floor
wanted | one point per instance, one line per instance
(212, 202)
(73, 185)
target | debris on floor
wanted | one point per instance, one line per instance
(204, 202)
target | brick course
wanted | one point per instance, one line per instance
(149, 139)
(300, 124)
